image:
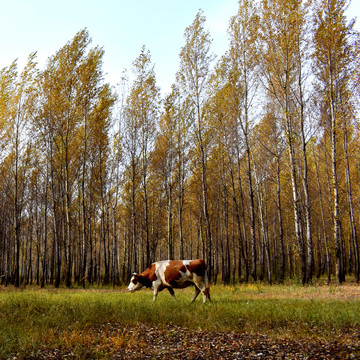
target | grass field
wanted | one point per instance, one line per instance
(82, 322)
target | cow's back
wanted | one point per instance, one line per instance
(181, 273)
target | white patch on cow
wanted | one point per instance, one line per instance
(160, 267)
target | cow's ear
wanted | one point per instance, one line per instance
(135, 279)
(134, 274)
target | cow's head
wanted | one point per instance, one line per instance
(135, 284)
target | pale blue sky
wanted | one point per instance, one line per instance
(120, 26)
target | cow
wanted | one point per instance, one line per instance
(173, 274)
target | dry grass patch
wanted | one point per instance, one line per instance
(345, 292)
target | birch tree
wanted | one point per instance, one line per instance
(282, 30)
(142, 112)
(244, 60)
(194, 73)
(333, 62)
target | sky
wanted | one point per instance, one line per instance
(121, 27)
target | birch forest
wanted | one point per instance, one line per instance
(251, 162)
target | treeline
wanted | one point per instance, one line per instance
(251, 162)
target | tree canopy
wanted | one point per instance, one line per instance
(251, 162)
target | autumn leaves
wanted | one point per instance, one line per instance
(234, 165)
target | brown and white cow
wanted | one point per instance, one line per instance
(173, 274)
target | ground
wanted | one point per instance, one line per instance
(252, 321)
(175, 342)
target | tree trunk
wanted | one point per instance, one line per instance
(169, 222)
(328, 259)
(296, 200)
(280, 222)
(45, 241)
(335, 185)
(353, 231)
(245, 243)
(180, 197)
(84, 235)
(133, 218)
(67, 237)
(310, 252)
(252, 212)
(238, 225)
(204, 190)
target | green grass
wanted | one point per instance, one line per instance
(33, 320)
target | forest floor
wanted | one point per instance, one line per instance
(253, 321)
(174, 342)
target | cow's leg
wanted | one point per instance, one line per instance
(206, 294)
(197, 292)
(156, 291)
(204, 288)
(171, 291)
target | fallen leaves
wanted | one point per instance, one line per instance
(143, 341)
